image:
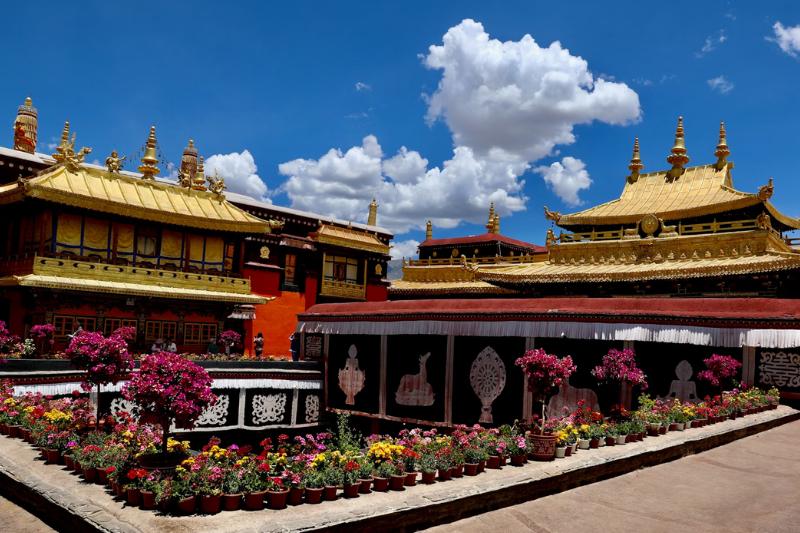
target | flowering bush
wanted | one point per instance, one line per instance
(43, 331)
(168, 389)
(106, 360)
(720, 370)
(12, 347)
(619, 366)
(230, 337)
(545, 373)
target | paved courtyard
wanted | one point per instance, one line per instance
(749, 485)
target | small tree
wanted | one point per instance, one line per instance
(720, 370)
(545, 373)
(169, 389)
(229, 339)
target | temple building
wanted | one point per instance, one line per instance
(681, 266)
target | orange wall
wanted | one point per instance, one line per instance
(277, 320)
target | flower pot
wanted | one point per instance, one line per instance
(688, 424)
(232, 502)
(397, 482)
(680, 426)
(133, 496)
(662, 430)
(102, 476)
(457, 471)
(503, 459)
(567, 450)
(428, 478)
(296, 495)
(278, 498)
(329, 494)
(621, 439)
(380, 484)
(147, 501)
(351, 490)
(160, 461)
(187, 505)
(364, 486)
(444, 474)
(14, 431)
(673, 426)
(561, 452)
(470, 469)
(69, 461)
(611, 441)
(254, 501)
(574, 447)
(543, 447)
(53, 456)
(518, 459)
(594, 443)
(314, 495)
(481, 465)
(210, 504)
(584, 444)
(493, 462)
(411, 479)
(90, 474)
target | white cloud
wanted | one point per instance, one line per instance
(566, 178)
(721, 84)
(507, 104)
(787, 37)
(712, 42)
(362, 87)
(239, 171)
(357, 115)
(401, 249)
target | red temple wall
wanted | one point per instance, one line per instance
(277, 320)
(377, 292)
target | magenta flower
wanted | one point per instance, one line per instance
(620, 366)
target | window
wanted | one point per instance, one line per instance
(62, 325)
(66, 325)
(113, 324)
(343, 269)
(230, 252)
(289, 269)
(146, 242)
(159, 329)
(199, 333)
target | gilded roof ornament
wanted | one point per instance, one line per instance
(25, 127)
(199, 181)
(722, 152)
(188, 165)
(765, 191)
(555, 216)
(490, 221)
(216, 184)
(636, 165)
(495, 224)
(149, 168)
(114, 162)
(372, 218)
(678, 156)
(428, 230)
(65, 151)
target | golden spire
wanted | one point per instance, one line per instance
(722, 152)
(372, 219)
(678, 157)
(63, 147)
(428, 231)
(199, 181)
(636, 162)
(65, 151)
(495, 224)
(490, 222)
(148, 167)
(188, 165)
(25, 127)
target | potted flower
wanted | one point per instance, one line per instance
(277, 493)
(517, 444)
(428, 465)
(619, 369)
(229, 339)
(720, 371)
(135, 477)
(253, 482)
(315, 485)
(545, 374)
(42, 335)
(350, 475)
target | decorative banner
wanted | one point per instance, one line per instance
(414, 389)
(313, 347)
(312, 409)
(488, 379)
(351, 379)
(780, 369)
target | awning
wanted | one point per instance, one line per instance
(243, 312)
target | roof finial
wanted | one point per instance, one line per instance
(722, 152)
(496, 224)
(636, 162)
(65, 151)
(490, 222)
(678, 157)
(199, 181)
(429, 230)
(372, 218)
(25, 127)
(188, 165)
(148, 167)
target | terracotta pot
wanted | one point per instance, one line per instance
(457, 471)
(210, 504)
(493, 462)
(3, 428)
(568, 451)
(351, 490)
(232, 502)
(43, 453)
(471, 469)
(69, 461)
(314, 495)
(296, 495)
(411, 479)
(133, 496)
(278, 498)
(147, 501)
(397, 482)
(380, 484)
(102, 476)
(254, 501)
(518, 459)
(481, 465)
(611, 441)
(329, 494)
(503, 460)
(53, 456)
(428, 478)
(90, 474)
(187, 505)
(662, 430)
(364, 486)
(14, 431)
(543, 447)
(594, 443)
(444, 474)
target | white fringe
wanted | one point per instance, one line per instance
(54, 389)
(703, 336)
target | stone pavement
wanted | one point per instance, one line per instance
(750, 485)
(63, 499)
(16, 519)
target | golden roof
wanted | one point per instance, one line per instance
(702, 190)
(400, 287)
(99, 190)
(350, 238)
(129, 289)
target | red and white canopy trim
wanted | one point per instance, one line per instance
(760, 322)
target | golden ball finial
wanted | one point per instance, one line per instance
(28, 101)
(678, 156)
(149, 168)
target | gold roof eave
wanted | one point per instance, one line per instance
(99, 190)
(350, 238)
(402, 287)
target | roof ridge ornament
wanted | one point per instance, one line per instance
(216, 184)
(199, 180)
(490, 223)
(65, 152)
(678, 156)
(188, 165)
(765, 191)
(149, 168)
(25, 127)
(555, 216)
(428, 230)
(114, 162)
(722, 152)
(636, 165)
(372, 217)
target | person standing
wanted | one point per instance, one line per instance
(258, 344)
(171, 346)
(294, 346)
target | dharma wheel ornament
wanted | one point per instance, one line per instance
(351, 378)
(487, 376)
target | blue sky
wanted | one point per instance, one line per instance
(290, 82)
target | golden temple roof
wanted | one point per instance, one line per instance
(350, 238)
(400, 287)
(99, 190)
(698, 191)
